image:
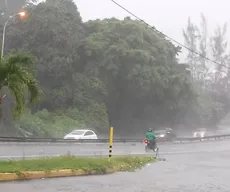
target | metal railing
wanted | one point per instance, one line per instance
(139, 140)
(223, 136)
(60, 140)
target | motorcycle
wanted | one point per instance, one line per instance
(148, 146)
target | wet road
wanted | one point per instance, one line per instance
(204, 171)
(33, 150)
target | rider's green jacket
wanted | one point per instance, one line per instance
(150, 136)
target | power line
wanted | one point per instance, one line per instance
(170, 38)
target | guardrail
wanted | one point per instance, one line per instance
(59, 140)
(203, 138)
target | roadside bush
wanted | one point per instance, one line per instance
(58, 123)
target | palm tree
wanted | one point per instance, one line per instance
(17, 75)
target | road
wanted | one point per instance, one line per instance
(32, 150)
(206, 170)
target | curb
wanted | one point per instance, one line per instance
(28, 175)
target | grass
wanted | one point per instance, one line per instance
(99, 165)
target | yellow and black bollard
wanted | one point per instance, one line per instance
(110, 142)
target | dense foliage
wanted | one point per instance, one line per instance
(101, 73)
(211, 79)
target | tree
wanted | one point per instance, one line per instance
(219, 51)
(196, 39)
(191, 35)
(220, 81)
(53, 33)
(140, 70)
(15, 74)
(203, 49)
(210, 85)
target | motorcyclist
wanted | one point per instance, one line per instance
(151, 137)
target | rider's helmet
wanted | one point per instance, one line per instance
(150, 130)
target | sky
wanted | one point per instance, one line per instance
(168, 16)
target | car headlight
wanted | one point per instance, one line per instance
(162, 135)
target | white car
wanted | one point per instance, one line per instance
(81, 134)
(200, 133)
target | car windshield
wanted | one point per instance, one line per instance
(79, 132)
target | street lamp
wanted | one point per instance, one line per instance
(21, 14)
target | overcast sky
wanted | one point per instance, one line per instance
(169, 16)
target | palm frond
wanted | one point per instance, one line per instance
(16, 74)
